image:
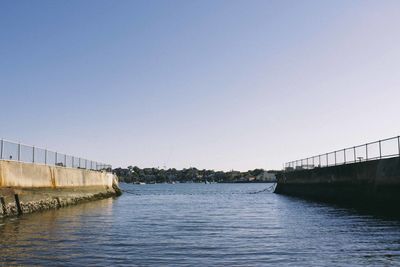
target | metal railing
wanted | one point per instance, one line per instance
(386, 148)
(30, 154)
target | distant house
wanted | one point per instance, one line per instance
(251, 179)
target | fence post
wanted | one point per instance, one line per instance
(55, 160)
(319, 160)
(366, 152)
(73, 162)
(355, 156)
(344, 155)
(380, 149)
(327, 162)
(45, 156)
(33, 154)
(2, 149)
(398, 144)
(19, 152)
(65, 160)
(335, 158)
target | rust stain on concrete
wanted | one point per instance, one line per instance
(53, 177)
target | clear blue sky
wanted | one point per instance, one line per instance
(211, 84)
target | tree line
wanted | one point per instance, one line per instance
(134, 174)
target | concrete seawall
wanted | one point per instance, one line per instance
(372, 184)
(40, 187)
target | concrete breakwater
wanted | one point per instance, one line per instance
(26, 187)
(371, 185)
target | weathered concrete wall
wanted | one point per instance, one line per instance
(40, 187)
(374, 184)
(18, 174)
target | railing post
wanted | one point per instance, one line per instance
(19, 151)
(380, 149)
(45, 156)
(355, 155)
(33, 154)
(398, 144)
(344, 155)
(307, 163)
(319, 160)
(65, 160)
(366, 152)
(55, 160)
(327, 162)
(2, 149)
(335, 159)
(73, 162)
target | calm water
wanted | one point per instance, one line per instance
(200, 225)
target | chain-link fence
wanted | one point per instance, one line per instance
(386, 148)
(20, 152)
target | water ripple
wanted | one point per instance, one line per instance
(200, 225)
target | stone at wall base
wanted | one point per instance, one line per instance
(40, 199)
